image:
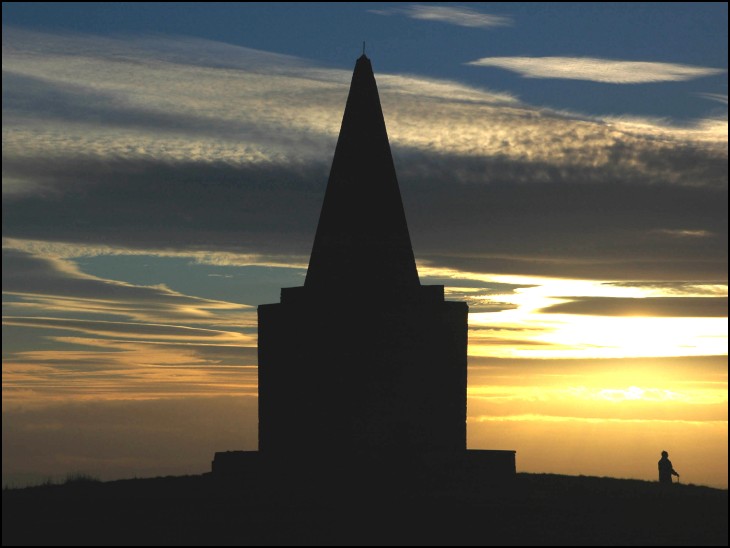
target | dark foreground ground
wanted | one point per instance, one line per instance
(198, 510)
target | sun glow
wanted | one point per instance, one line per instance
(528, 330)
(619, 337)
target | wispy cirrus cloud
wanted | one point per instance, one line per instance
(705, 307)
(97, 338)
(683, 233)
(461, 16)
(593, 69)
(77, 350)
(717, 97)
(50, 283)
(94, 143)
(680, 289)
(135, 331)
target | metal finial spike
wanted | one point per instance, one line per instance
(363, 47)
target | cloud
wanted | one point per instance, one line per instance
(144, 331)
(85, 347)
(134, 147)
(697, 307)
(88, 368)
(268, 215)
(597, 70)
(718, 97)
(49, 283)
(567, 229)
(687, 289)
(65, 250)
(461, 16)
(683, 233)
(79, 352)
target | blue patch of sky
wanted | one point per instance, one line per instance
(251, 285)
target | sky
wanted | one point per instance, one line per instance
(563, 168)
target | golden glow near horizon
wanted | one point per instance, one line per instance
(538, 335)
(615, 390)
(551, 335)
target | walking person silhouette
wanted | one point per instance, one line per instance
(666, 471)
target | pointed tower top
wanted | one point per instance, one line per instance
(362, 237)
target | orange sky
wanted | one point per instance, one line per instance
(118, 399)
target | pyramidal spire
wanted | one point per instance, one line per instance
(362, 236)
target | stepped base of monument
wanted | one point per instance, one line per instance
(437, 470)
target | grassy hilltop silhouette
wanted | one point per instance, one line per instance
(532, 509)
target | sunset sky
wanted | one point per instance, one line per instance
(563, 167)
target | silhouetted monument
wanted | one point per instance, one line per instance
(363, 362)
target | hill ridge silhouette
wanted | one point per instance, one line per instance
(533, 509)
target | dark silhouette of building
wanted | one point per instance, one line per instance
(362, 357)
(363, 362)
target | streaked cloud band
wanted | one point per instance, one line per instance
(93, 144)
(593, 69)
(460, 16)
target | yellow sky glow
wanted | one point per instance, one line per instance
(622, 386)
(540, 335)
